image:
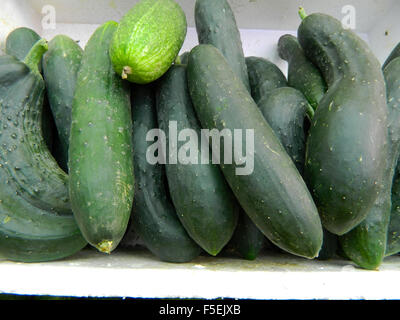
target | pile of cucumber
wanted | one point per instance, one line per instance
(74, 149)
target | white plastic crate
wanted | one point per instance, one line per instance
(136, 273)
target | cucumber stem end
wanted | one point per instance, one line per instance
(302, 13)
(127, 70)
(105, 246)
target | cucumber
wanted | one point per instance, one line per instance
(36, 223)
(274, 194)
(393, 240)
(22, 140)
(285, 110)
(153, 215)
(264, 77)
(148, 39)
(344, 165)
(366, 243)
(20, 41)
(391, 73)
(302, 74)
(216, 25)
(100, 158)
(395, 53)
(205, 205)
(63, 58)
(247, 240)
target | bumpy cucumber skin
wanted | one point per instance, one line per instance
(395, 53)
(18, 43)
(63, 58)
(369, 242)
(203, 200)
(264, 77)
(35, 223)
(30, 167)
(302, 74)
(274, 196)
(391, 73)
(153, 215)
(100, 152)
(216, 25)
(344, 166)
(285, 110)
(148, 40)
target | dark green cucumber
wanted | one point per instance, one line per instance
(285, 110)
(347, 146)
(153, 215)
(393, 240)
(205, 205)
(247, 240)
(264, 77)
(302, 74)
(367, 243)
(63, 58)
(395, 53)
(36, 223)
(216, 25)
(30, 166)
(392, 77)
(274, 194)
(100, 158)
(20, 41)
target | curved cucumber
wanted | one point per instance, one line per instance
(344, 166)
(35, 223)
(30, 167)
(202, 198)
(18, 43)
(100, 151)
(367, 243)
(63, 58)
(148, 40)
(302, 74)
(216, 25)
(264, 77)
(153, 215)
(274, 194)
